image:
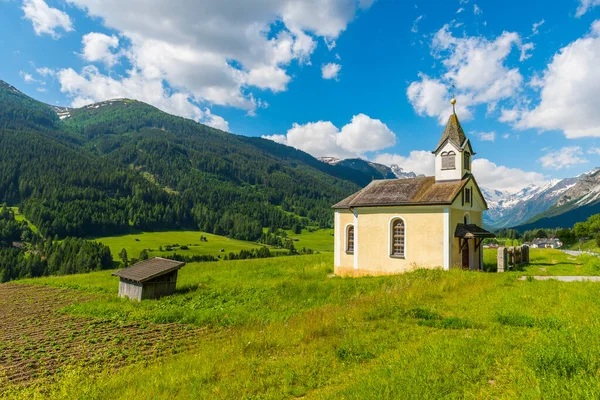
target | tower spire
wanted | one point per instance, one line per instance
(453, 101)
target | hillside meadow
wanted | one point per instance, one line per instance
(285, 328)
(319, 240)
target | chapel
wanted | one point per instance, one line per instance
(397, 225)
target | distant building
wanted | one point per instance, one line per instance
(396, 225)
(149, 279)
(543, 243)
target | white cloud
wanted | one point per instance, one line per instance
(569, 90)
(97, 47)
(536, 27)
(91, 86)
(499, 177)
(45, 19)
(28, 78)
(594, 150)
(330, 71)
(238, 46)
(41, 89)
(415, 25)
(323, 138)
(460, 10)
(508, 115)
(477, 10)
(524, 49)
(585, 6)
(486, 136)
(476, 65)
(420, 162)
(563, 158)
(45, 71)
(506, 136)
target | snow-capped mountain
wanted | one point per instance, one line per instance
(378, 171)
(511, 209)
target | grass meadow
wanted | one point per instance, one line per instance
(285, 328)
(134, 243)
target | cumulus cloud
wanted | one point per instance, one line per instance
(239, 46)
(486, 136)
(45, 19)
(594, 150)
(98, 47)
(45, 71)
(585, 6)
(420, 162)
(563, 158)
(330, 71)
(320, 139)
(569, 90)
(499, 177)
(477, 10)
(91, 86)
(476, 65)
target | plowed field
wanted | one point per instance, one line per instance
(38, 341)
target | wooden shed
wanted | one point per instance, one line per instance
(149, 279)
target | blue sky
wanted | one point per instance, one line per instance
(342, 78)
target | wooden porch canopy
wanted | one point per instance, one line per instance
(464, 232)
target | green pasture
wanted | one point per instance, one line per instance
(588, 245)
(136, 242)
(320, 240)
(285, 328)
(21, 217)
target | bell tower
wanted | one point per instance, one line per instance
(453, 154)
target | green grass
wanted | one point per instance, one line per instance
(320, 240)
(588, 245)
(21, 217)
(136, 242)
(282, 328)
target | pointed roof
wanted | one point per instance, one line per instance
(453, 132)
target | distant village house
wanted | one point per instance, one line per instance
(396, 225)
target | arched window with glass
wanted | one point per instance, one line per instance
(398, 238)
(350, 239)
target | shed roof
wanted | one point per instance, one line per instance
(149, 269)
(414, 191)
(471, 231)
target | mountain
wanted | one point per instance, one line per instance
(369, 168)
(576, 203)
(506, 209)
(122, 164)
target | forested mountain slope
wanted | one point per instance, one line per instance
(121, 164)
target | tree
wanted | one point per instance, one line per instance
(541, 234)
(144, 255)
(123, 257)
(581, 229)
(598, 239)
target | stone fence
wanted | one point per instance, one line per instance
(510, 257)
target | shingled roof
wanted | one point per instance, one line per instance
(453, 132)
(414, 191)
(149, 269)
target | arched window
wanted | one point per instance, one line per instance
(467, 219)
(350, 239)
(448, 160)
(398, 238)
(467, 160)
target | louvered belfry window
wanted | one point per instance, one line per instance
(398, 238)
(448, 160)
(350, 239)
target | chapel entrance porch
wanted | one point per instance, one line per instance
(470, 240)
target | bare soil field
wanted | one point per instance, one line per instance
(37, 341)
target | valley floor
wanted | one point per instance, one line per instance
(284, 328)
